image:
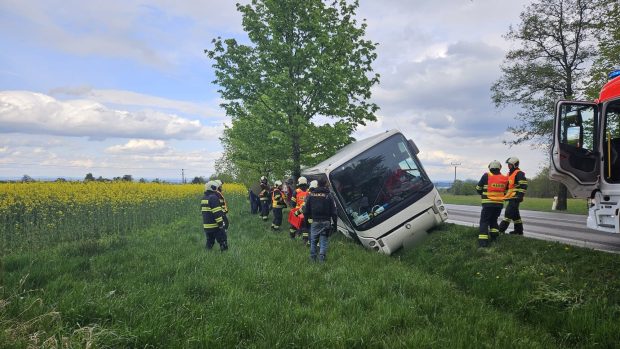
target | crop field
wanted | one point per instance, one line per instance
(123, 265)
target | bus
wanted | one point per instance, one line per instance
(385, 199)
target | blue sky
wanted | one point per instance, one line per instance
(123, 87)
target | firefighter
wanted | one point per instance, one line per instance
(265, 198)
(223, 204)
(320, 209)
(298, 199)
(278, 203)
(517, 186)
(212, 217)
(492, 188)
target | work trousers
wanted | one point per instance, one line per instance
(218, 235)
(277, 218)
(512, 214)
(488, 228)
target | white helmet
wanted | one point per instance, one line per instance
(211, 185)
(314, 184)
(513, 160)
(495, 165)
(219, 183)
(277, 183)
(302, 180)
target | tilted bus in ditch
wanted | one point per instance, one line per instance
(385, 199)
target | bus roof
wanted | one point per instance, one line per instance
(347, 153)
(611, 90)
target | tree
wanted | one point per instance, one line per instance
(556, 41)
(608, 49)
(306, 59)
(198, 180)
(27, 179)
(127, 178)
(89, 177)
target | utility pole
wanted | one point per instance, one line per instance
(455, 164)
(183, 176)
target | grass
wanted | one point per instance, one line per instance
(158, 287)
(575, 206)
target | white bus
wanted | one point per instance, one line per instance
(385, 199)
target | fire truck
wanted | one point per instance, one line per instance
(385, 199)
(585, 155)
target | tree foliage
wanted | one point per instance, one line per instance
(555, 44)
(297, 92)
(556, 41)
(608, 49)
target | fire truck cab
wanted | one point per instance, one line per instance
(384, 197)
(585, 155)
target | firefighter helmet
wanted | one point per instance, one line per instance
(211, 185)
(277, 183)
(314, 184)
(219, 183)
(302, 180)
(513, 160)
(495, 165)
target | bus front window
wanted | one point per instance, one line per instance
(379, 182)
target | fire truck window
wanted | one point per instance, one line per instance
(611, 143)
(577, 126)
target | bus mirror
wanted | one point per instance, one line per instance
(414, 147)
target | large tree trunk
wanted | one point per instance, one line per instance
(296, 153)
(562, 195)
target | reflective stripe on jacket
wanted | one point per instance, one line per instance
(212, 215)
(278, 199)
(517, 185)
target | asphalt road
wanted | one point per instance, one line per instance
(562, 227)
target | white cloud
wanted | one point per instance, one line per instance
(140, 146)
(35, 113)
(130, 98)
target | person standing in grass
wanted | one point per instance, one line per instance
(278, 202)
(223, 203)
(492, 188)
(517, 186)
(320, 209)
(212, 217)
(265, 198)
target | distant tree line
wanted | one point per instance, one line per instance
(540, 186)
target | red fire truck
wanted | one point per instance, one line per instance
(586, 153)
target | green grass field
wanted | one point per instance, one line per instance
(159, 288)
(575, 206)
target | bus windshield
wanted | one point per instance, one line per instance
(379, 182)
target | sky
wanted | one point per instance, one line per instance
(124, 87)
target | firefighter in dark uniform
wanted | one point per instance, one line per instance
(223, 204)
(517, 186)
(320, 210)
(265, 198)
(278, 203)
(299, 196)
(212, 220)
(492, 188)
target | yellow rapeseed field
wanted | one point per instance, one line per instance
(55, 211)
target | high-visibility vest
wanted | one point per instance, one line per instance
(300, 197)
(278, 199)
(513, 187)
(493, 191)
